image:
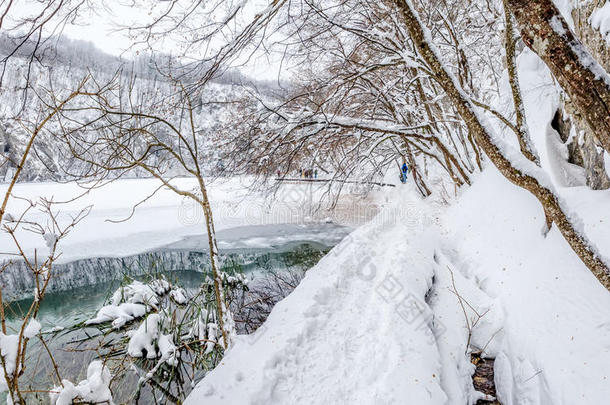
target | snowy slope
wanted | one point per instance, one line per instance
(556, 327)
(344, 337)
(75, 61)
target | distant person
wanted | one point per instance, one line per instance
(315, 174)
(404, 171)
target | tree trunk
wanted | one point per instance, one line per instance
(225, 319)
(546, 32)
(525, 142)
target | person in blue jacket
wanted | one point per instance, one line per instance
(404, 171)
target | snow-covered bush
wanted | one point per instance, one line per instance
(167, 335)
(94, 389)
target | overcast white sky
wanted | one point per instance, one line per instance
(103, 26)
(96, 26)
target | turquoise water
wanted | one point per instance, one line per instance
(66, 308)
(71, 307)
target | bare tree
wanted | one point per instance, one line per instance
(522, 131)
(358, 107)
(53, 231)
(324, 114)
(514, 167)
(112, 135)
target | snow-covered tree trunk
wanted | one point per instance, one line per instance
(525, 143)
(515, 168)
(225, 318)
(546, 32)
(583, 147)
(588, 21)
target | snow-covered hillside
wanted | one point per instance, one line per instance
(66, 66)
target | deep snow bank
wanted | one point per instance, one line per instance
(553, 346)
(376, 321)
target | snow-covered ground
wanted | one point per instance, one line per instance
(377, 321)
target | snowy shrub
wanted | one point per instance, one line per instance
(164, 334)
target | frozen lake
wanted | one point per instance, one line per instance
(255, 249)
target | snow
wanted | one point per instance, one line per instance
(32, 329)
(134, 301)
(565, 8)
(600, 20)
(50, 240)
(164, 219)
(179, 296)
(119, 315)
(355, 330)
(551, 302)
(588, 62)
(142, 342)
(376, 321)
(8, 349)
(148, 341)
(205, 330)
(94, 389)
(541, 97)
(565, 173)
(557, 26)
(169, 352)
(161, 220)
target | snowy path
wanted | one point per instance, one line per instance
(348, 334)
